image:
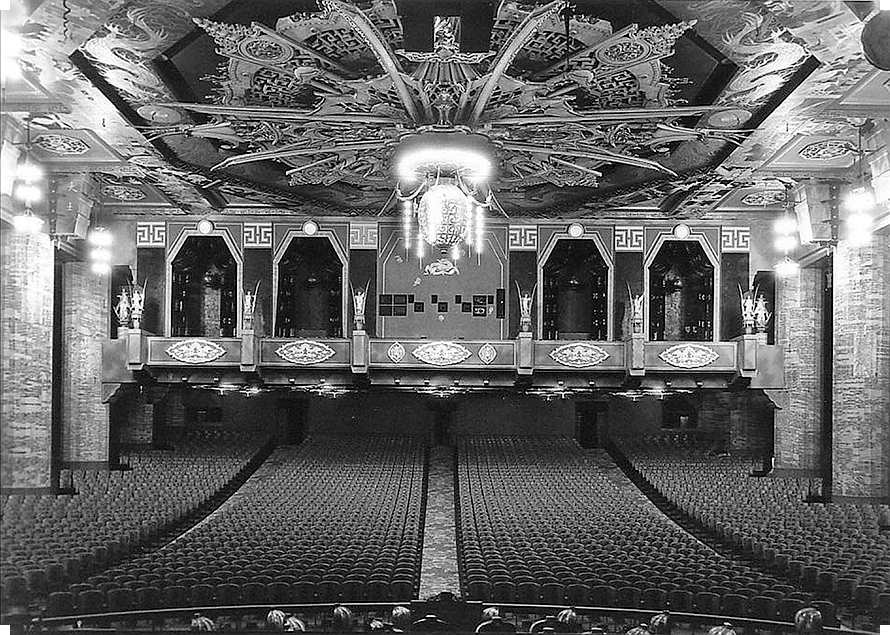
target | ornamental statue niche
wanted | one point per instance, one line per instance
(249, 307)
(359, 299)
(204, 300)
(526, 301)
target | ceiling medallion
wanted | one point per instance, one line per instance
(61, 144)
(487, 353)
(305, 352)
(441, 353)
(333, 97)
(578, 354)
(195, 351)
(764, 198)
(827, 149)
(396, 353)
(123, 193)
(689, 355)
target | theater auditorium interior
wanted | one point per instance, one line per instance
(445, 315)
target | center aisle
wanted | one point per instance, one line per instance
(438, 568)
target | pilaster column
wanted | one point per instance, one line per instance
(798, 421)
(26, 353)
(84, 417)
(861, 377)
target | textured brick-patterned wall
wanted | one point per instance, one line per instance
(137, 426)
(798, 422)
(26, 340)
(85, 423)
(861, 378)
(740, 420)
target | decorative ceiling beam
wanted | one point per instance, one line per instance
(597, 155)
(500, 65)
(285, 152)
(374, 39)
(278, 114)
(617, 115)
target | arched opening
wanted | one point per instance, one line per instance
(575, 294)
(310, 279)
(681, 293)
(204, 289)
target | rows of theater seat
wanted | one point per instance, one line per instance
(49, 542)
(332, 519)
(543, 521)
(835, 550)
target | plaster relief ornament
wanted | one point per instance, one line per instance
(137, 304)
(747, 299)
(442, 267)
(579, 355)
(396, 352)
(525, 308)
(332, 96)
(122, 309)
(487, 353)
(761, 314)
(359, 299)
(689, 355)
(305, 352)
(195, 351)
(441, 353)
(250, 306)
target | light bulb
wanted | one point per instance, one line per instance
(786, 225)
(28, 171)
(100, 237)
(27, 223)
(27, 193)
(859, 199)
(100, 255)
(786, 243)
(787, 267)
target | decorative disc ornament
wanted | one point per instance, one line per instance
(303, 352)
(195, 351)
(441, 353)
(689, 355)
(579, 355)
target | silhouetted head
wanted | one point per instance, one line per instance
(401, 618)
(660, 624)
(569, 619)
(724, 629)
(342, 618)
(275, 620)
(808, 620)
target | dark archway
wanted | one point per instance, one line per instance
(310, 291)
(204, 292)
(576, 289)
(681, 293)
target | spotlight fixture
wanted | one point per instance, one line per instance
(682, 231)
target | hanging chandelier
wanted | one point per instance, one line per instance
(442, 187)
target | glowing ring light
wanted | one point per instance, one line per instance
(576, 230)
(205, 226)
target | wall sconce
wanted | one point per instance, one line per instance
(28, 174)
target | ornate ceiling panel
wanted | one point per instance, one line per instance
(304, 111)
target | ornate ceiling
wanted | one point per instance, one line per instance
(667, 107)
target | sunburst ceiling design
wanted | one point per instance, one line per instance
(331, 95)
